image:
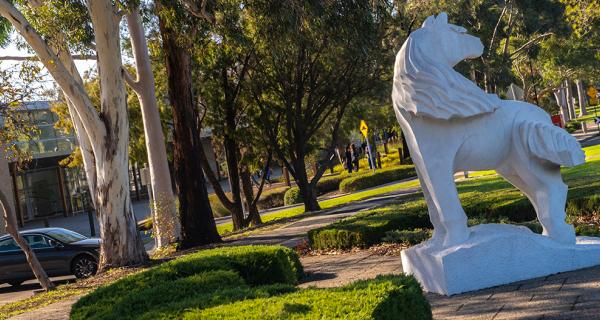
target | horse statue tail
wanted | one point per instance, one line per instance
(549, 142)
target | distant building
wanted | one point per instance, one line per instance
(43, 189)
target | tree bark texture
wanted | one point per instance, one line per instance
(103, 135)
(581, 95)
(167, 229)
(197, 222)
(570, 104)
(561, 100)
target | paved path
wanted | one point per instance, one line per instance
(570, 295)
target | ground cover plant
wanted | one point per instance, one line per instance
(256, 276)
(485, 199)
(378, 177)
(386, 297)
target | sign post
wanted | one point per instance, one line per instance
(364, 129)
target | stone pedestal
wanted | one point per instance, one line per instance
(495, 254)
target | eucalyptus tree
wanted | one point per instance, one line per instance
(312, 60)
(103, 133)
(178, 33)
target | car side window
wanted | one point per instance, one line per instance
(37, 241)
(8, 245)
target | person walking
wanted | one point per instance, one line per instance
(355, 156)
(348, 158)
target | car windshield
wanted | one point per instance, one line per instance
(65, 236)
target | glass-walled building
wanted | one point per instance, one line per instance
(42, 187)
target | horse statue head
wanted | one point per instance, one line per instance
(425, 83)
(446, 42)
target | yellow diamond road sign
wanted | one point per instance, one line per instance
(363, 128)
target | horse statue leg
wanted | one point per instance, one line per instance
(437, 180)
(543, 185)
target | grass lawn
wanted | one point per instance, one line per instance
(485, 199)
(573, 177)
(329, 203)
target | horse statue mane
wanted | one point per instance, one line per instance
(425, 86)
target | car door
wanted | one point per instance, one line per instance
(47, 252)
(13, 264)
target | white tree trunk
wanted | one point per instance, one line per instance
(165, 221)
(7, 205)
(106, 132)
(570, 104)
(115, 215)
(581, 94)
(561, 100)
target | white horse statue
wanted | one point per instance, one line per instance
(451, 125)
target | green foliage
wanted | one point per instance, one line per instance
(202, 279)
(488, 199)
(376, 178)
(572, 126)
(587, 230)
(292, 196)
(272, 198)
(240, 282)
(385, 297)
(409, 237)
(368, 228)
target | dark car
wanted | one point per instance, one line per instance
(60, 251)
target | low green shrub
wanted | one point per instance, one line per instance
(584, 206)
(324, 185)
(379, 177)
(385, 297)
(292, 196)
(409, 237)
(587, 230)
(366, 229)
(572, 126)
(196, 279)
(272, 198)
(329, 184)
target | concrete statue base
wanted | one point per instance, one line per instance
(495, 254)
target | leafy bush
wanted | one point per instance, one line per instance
(292, 196)
(572, 126)
(366, 229)
(260, 278)
(379, 177)
(385, 297)
(587, 230)
(324, 185)
(409, 237)
(272, 198)
(205, 278)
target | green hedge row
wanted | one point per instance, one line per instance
(366, 229)
(194, 279)
(376, 178)
(272, 198)
(369, 228)
(324, 185)
(251, 282)
(386, 297)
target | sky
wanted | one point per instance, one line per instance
(48, 83)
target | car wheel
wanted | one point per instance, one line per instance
(84, 267)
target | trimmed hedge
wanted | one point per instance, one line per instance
(409, 237)
(366, 229)
(324, 185)
(385, 297)
(206, 278)
(379, 177)
(251, 282)
(272, 198)
(292, 196)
